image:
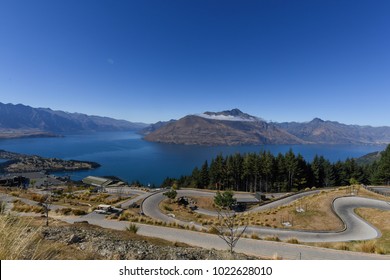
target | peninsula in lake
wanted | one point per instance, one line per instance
(19, 163)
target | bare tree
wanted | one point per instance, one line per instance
(228, 228)
(46, 203)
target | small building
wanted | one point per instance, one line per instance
(100, 183)
(244, 201)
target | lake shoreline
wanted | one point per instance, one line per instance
(126, 155)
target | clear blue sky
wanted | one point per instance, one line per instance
(146, 60)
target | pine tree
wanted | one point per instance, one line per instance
(204, 175)
(383, 173)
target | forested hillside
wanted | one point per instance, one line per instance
(282, 173)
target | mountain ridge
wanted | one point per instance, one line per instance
(23, 121)
(332, 132)
(233, 127)
(201, 130)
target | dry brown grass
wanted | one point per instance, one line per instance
(20, 239)
(292, 240)
(71, 211)
(204, 202)
(318, 214)
(181, 212)
(272, 238)
(20, 206)
(381, 220)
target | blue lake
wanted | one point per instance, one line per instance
(126, 155)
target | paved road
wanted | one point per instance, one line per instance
(150, 206)
(259, 248)
(151, 209)
(355, 227)
(284, 201)
(384, 190)
(127, 203)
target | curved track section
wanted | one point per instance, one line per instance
(355, 228)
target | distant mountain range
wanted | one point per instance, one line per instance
(25, 121)
(237, 128)
(231, 127)
(331, 132)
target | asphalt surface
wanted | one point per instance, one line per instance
(260, 248)
(355, 228)
(151, 209)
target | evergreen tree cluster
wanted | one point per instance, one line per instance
(253, 172)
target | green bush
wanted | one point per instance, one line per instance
(133, 228)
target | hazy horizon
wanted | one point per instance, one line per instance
(196, 114)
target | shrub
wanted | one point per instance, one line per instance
(380, 250)
(368, 246)
(171, 194)
(38, 197)
(14, 193)
(20, 206)
(272, 238)
(133, 228)
(293, 241)
(213, 230)
(64, 211)
(342, 246)
(254, 236)
(78, 212)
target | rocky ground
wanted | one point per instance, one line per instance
(109, 244)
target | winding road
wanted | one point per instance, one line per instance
(355, 228)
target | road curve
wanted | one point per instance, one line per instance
(260, 248)
(151, 209)
(355, 228)
(248, 246)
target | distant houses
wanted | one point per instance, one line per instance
(14, 181)
(29, 179)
